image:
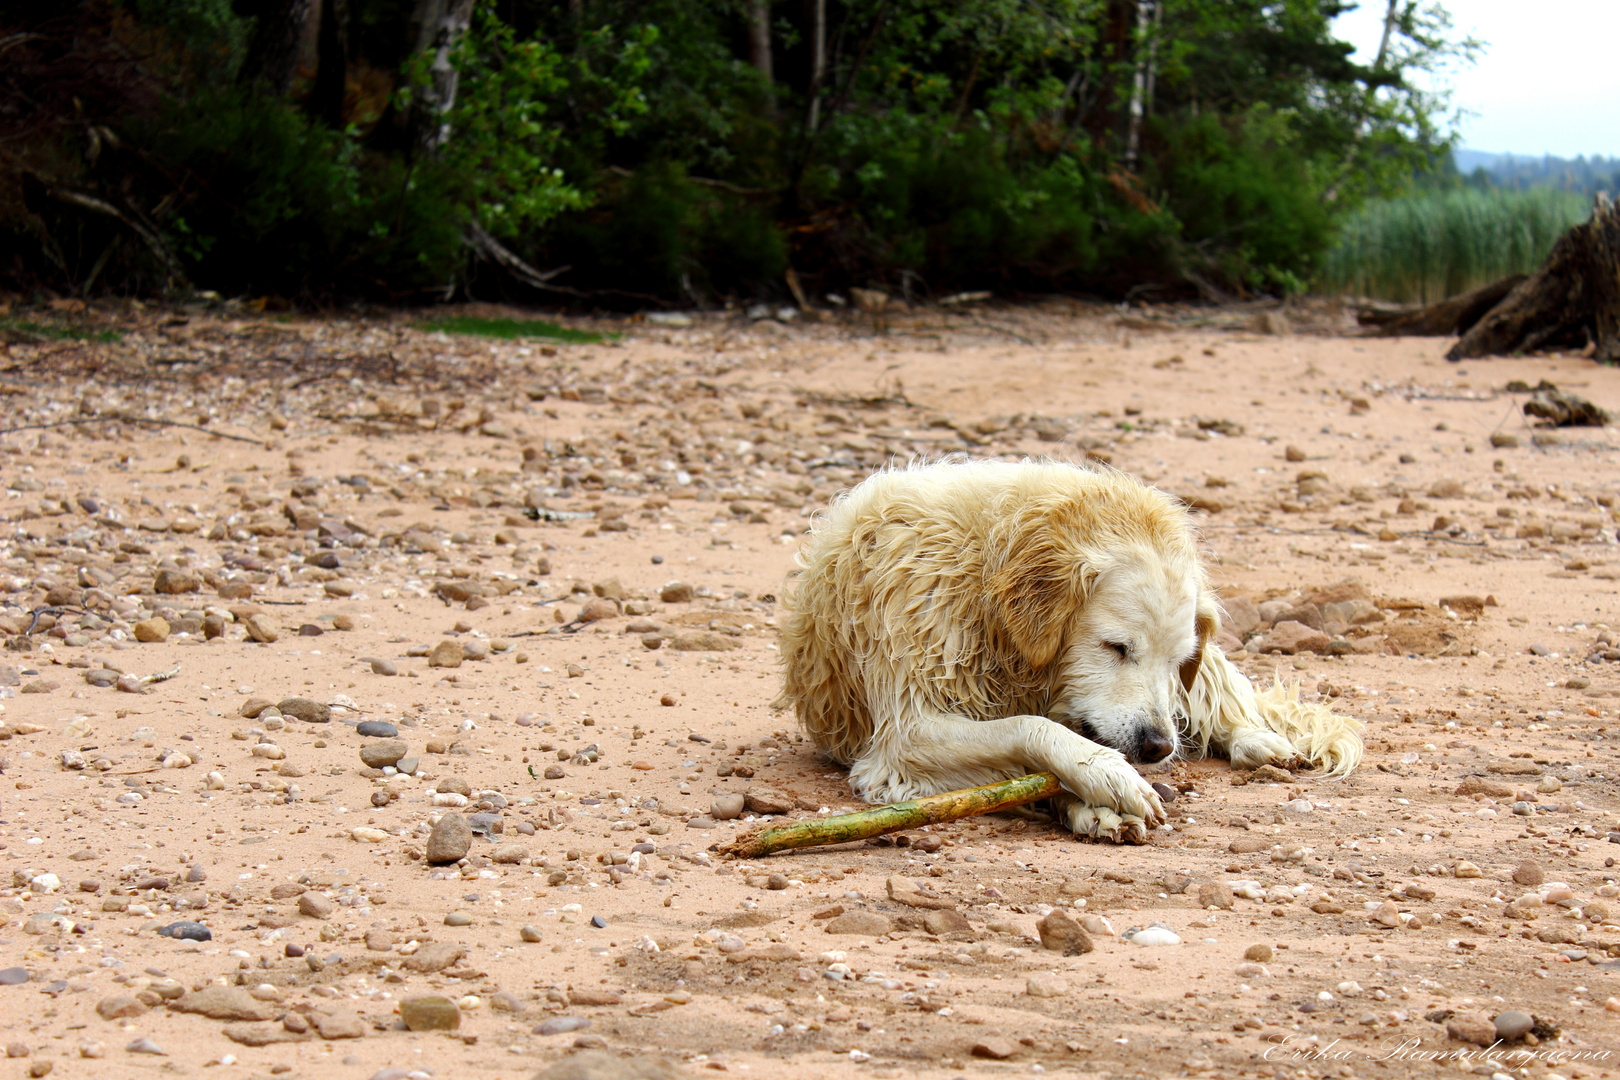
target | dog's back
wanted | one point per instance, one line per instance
(906, 568)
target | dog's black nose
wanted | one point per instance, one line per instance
(1155, 748)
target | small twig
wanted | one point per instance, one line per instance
(120, 418)
(932, 810)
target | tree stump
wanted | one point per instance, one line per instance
(1455, 315)
(1572, 300)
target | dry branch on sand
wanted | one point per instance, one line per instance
(911, 814)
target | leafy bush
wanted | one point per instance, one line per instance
(272, 203)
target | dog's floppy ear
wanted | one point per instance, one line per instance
(1206, 624)
(1038, 590)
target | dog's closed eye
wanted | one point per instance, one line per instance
(1121, 650)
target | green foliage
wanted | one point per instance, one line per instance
(28, 329)
(272, 203)
(1432, 245)
(1070, 144)
(507, 329)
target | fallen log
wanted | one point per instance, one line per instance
(1572, 300)
(911, 814)
(1453, 316)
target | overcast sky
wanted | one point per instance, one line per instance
(1546, 83)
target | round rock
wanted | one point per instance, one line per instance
(376, 729)
(383, 752)
(380, 666)
(727, 807)
(186, 930)
(1513, 1025)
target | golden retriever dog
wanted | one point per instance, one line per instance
(963, 622)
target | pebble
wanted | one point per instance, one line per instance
(1513, 1025)
(1045, 985)
(13, 976)
(380, 666)
(458, 918)
(1060, 933)
(529, 934)
(997, 1049)
(383, 752)
(186, 930)
(446, 654)
(1259, 953)
(1529, 873)
(261, 629)
(1153, 935)
(311, 712)
(151, 630)
(429, 1013)
(727, 807)
(315, 905)
(376, 729)
(559, 1025)
(450, 840)
(146, 1046)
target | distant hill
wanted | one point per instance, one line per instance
(1584, 175)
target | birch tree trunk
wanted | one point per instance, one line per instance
(444, 34)
(818, 60)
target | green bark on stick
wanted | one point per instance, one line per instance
(863, 824)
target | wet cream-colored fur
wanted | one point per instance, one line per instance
(963, 622)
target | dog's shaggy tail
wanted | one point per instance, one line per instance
(1223, 711)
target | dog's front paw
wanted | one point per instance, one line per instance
(1107, 780)
(1255, 747)
(1101, 823)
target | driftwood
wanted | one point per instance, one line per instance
(1573, 299)
(1453, 316)
(863, 824)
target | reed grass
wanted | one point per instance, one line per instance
(1426, 247)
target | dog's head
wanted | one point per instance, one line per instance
(1124, 614)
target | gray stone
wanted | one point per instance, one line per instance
(450, 840)
(380, 666)
(558, 1025)
(727, 807)
(383, 752)
(1513, 1025)
(13, 976)
(376, 729)
(186, 930)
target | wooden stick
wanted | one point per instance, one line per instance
(931, 810)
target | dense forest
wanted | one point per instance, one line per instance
(630, 153)
(1581, 175)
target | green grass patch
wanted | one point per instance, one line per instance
(510, 329)
(1426, 247)
(28, 329)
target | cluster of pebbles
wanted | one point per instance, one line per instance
(414, 723)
